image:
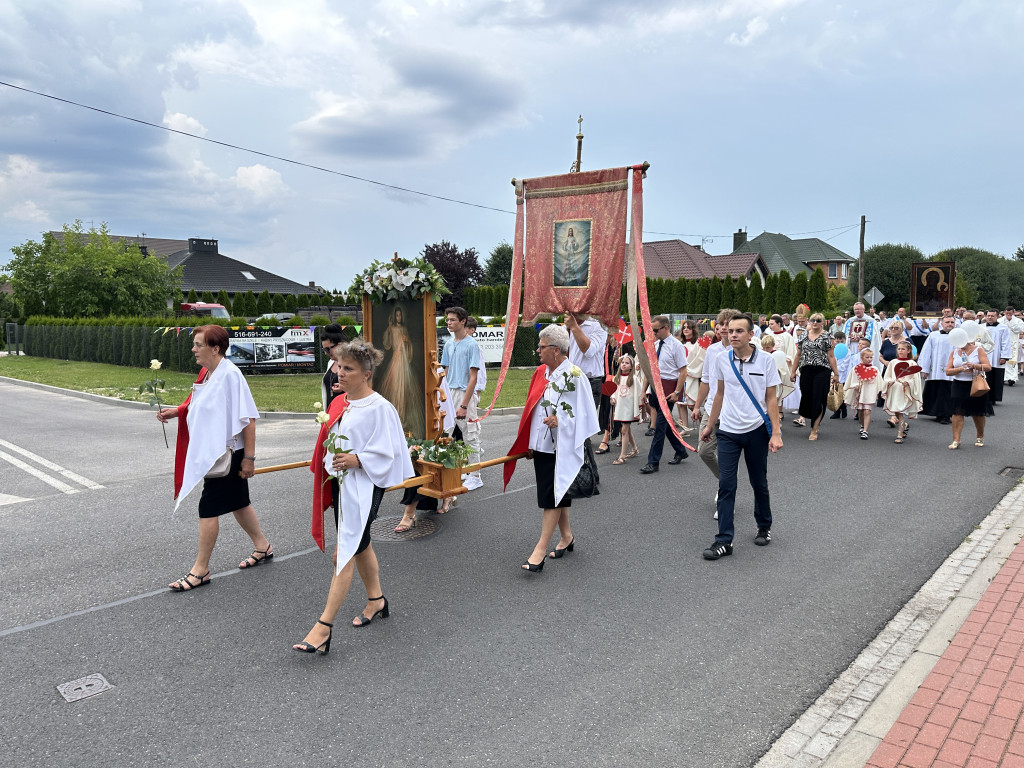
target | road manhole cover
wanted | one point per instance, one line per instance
(383, 528)
(84, 687)
(1013, 472)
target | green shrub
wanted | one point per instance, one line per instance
(320, 320)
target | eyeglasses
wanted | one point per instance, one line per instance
(657, 328)
(542, 346)
(816, 321)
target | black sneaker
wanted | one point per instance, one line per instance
(763, 538)
(717, 550)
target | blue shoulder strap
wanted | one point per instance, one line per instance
(750, 394)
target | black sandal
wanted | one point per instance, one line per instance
(267, 554)
(362, 621)
(602, 448)
(184, 585)
(323, 649)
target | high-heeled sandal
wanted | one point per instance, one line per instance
(533, 567)
(403, 526)
(323, 648)
(446, 505)
(362, 621)
(267, 554)
(559, 552)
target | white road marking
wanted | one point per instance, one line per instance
(50, 465)
(8, 499)
(62, 487)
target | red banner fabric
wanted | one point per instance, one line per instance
(575, 243)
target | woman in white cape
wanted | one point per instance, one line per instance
(553, 436)
(372, 454)
(218, 418)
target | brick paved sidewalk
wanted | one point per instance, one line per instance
(968, 711)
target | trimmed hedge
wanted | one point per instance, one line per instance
(127, 341)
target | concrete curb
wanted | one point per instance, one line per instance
(270, 415)
(847, 722)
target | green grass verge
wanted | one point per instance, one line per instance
(287, 392)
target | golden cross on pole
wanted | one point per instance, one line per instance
(575, 167)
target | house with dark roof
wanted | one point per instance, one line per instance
(672, 259)
(205, 268)
(780, 252)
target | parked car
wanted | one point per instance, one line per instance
(202, 308)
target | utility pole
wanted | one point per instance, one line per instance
(860, 260)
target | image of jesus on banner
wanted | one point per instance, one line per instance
(571, 260)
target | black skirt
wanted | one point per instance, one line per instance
(378, 497)
(814, 384)
(965, 405)
(544, 470)
(225, 494)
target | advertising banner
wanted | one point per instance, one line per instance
(490, 339)
(272, 350)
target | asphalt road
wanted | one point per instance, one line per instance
(631, 649)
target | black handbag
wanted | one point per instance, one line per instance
(588, 478)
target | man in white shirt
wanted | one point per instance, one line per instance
(1002, 350)
(741, 412)
(701, 414)
(587, 343)
(672, 370)
(1016, 328)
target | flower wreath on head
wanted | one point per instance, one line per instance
(399, 280)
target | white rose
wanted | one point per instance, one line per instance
(322, 417)
(155, 364)
(575, 371)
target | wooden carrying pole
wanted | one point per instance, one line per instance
(411, 482)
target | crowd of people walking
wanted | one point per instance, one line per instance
(727, 390)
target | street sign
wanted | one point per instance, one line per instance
(874, 295)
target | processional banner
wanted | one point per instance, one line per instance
(575, 243)
(570, 242)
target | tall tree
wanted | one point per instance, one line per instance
(817, 295)
(755, 294)
(691, 296)
(87, 274)
(715, 294)
(798, 290)
(498, 269)
(679, 296)
(700, 304)
(987, 272)
(729, 292)
(459, 268)
(887, 267)
(1019, 253)
(264, 304)
(771, 285)
(783, 289)
(742, 300)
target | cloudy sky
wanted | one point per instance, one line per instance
(789, 116)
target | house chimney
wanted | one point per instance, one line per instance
(202, 245)
(312, 284)
(738, 239)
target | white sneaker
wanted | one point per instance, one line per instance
(472, 482)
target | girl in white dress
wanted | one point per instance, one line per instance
(901, 388)
(862, 386)
(626, 402)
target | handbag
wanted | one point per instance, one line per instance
(836, 396)
(588, 478)
(221, 467)
(979, 385)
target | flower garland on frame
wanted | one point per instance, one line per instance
(399, 280)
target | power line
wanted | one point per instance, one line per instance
(339, 173)
(255, 151)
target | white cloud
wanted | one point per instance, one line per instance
(264, 183)
(29, 212)
(755, 28)
(177, 121)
